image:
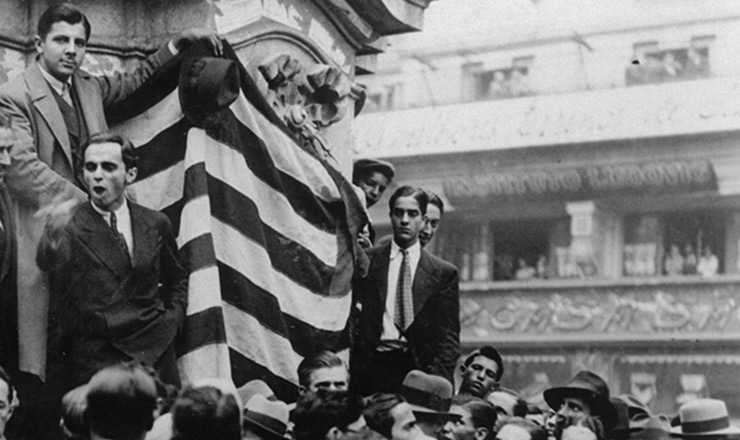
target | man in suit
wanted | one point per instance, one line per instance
(114, 266)
(55, 106)
(408, 306)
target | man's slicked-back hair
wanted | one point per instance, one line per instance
(409, 191)
(121, 401)
(128, 151)
(482, 412)
(435, 200)
(490, 353)
(316, 413)
(65, 12)
(201, 413)
(317, 361)
(378, 412)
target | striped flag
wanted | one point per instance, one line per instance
(265, 228)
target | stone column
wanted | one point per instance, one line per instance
(596, 239)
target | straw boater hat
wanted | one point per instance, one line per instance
(427, 394)
(704, 418)
(271, 417)
(593, 387)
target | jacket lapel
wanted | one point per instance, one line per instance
(47, 107)
(425, 280)
(146, 238)
(101, 240)
(382, 261)
(92, 108)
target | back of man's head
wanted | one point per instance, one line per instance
(204, 413)
(120, 402)
(65, 12)
(317, 413)
(378, 413)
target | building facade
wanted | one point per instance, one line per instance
(590, 170)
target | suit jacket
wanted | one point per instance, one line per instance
(434, 334)
(42, 171)
(8, 305)
(136, 303)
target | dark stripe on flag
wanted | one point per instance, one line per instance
(157, 87)
(173, 212)
(164, 151)
(203, 328)
(265, 308)
(198, 253)
(287, 257)
(257, 157)
(243, 370)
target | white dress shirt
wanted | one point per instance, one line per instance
(123, 220)
(62, 88)
(390, 331)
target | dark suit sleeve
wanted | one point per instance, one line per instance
(173, 277)
(119, 85)
(447, 347)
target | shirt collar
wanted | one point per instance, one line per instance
(121, 212)
(414, 250)
(57, 85)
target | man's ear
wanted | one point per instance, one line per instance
(302, 390)
(38, 42)
(131, 175)
(481, 433)
(463, 368)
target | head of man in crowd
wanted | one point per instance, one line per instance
(517, 428)
(435, 211)
(391, 416)
(408, 206)
(329, 415)
(481, 372)
(323, 371)
(476, 421)
(202, 412)
(265, 419)
(585, 395)
(508, 404)
(61, 40)
(8, 402)
(430, 397)
(7, 139)
(373, 177)
(121, 400)
(109, 166)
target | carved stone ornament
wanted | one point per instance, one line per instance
(310, 99)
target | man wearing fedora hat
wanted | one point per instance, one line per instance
(704, 419)
(265, 419)
(430, 398)
(585, 395)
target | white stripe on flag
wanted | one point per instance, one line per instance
(169, 188)
(144, 127)
(250, 339)
(210, 360)
(252, 261)
(287, 156)
(195, 220)
(227, 165)
(204, 290)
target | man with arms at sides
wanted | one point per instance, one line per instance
(371, 177)
(390, 416)
(435, 210)
(55, 106)
(323, 370)
(481, 372)
(408, 306)
(114, 265)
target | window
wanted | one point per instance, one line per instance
(651, 65)
(500, 83)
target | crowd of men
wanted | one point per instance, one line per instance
(109, 274)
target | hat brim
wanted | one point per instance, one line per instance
(730, 431)
(431, 413)
(600, 405)
(250, 423)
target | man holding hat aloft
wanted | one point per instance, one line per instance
(585, 395)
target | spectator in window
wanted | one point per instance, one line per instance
(672, 69)
(525, 271)
(689, 260)
(697, 65)
(673, 264)
(518, 83)
(708, 263)
(499, 87)
(541, 267)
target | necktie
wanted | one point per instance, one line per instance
(65, 94)
(120, 238)
(404, 310)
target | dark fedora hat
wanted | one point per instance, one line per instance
(427, 394)
(364, 165)
(206, 85)
(704, 418)
(270, 417)
(589, 386)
